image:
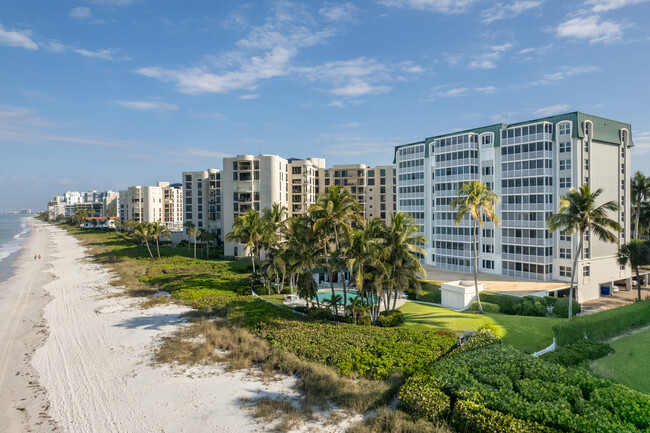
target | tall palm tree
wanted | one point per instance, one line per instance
(158, 231)
(142, 234)
(250, 230)
(636, 254)
(403, 245)
(335, 212)
(640, 191)
(189, 225)
(79, 216)
(475, 199)
(305, 251)
(579, 213)
(195, 233)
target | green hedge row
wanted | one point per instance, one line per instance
(578, 353)
(487, 307)
(561, 308)
(514, 391)
(390, 319)
(603, 325)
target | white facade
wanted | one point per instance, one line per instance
(142, 203)
(173, 207)
(202, 200)
(530, 165)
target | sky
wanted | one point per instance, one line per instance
(102, 94)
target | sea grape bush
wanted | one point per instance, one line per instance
(578, 353)
(523, 389)
(365, 351)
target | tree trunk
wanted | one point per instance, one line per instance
(194, 246)
(573, 272)
(638, 218)
(638, 281)
(148, 249)
(395, 300)
(478, 297)
(329, 270)
(284, 274)
(345, 289)
(253, 260)
(158, 248)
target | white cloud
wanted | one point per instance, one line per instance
(441, 6)
(54, 46)
(358, 88)
(114, 2)
(503, 10)
(536, 50)
(482, 64)
(552, 110)
(608, 5)
(213, 116)
(145, 105)
(591, 28)
(488, 90)
(338, 12)
(80, 13)
(641, 142)
(447, 91)
(206, 153)
(17, 38)
(249, 96)
(103, 53)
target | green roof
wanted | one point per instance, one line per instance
(605, 130)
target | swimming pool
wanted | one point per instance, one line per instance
(327, 294)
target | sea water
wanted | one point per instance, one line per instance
(14, 229)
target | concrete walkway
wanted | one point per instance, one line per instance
(623, 297)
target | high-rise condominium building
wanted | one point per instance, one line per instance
(173, 207)
(203, 200)
(530, 165)
(143, 203)
(303, 183)
(373, 188)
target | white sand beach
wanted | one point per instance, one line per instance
(93, 372)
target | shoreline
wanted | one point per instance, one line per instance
(23, 401)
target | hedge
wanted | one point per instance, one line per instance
(605, 324)
(425, 401)
(469, 416)
(390, 319)
(561, 308)
(487, 307)
(578, 353)
(514, 391)
(505, 302)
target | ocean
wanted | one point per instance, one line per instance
(14, 229)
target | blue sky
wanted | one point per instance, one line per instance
(101, 94)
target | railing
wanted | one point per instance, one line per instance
(546, 350)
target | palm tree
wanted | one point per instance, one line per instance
(305, 252)
(158, 231)
(111, 212)
(189, 225)
(142, 234)
(334, 302)
(364, 250)
(335, 212)
(357, 306)
(195, 233)
(640, 191)
(475, 199)
(636, 254)
(578, 213)
(403, 246)
(250, 230)
(79, 216)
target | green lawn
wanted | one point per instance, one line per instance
(629, 362)
(529, 334)
(274, 299)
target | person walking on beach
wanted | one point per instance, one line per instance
(39, 257)
(35, 256)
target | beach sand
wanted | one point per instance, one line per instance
(23, 401)
(77, 358)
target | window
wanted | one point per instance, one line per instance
(565, 271)
(488, 264)
(586, 164)
(565, 182)
(488, 248)
(586, 146)
(565, 253)
(565, 147)
(565, 128)
(586, 271)
(564, 236)
(565, 164)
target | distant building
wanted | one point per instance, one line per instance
(202, 200)
(142, 203)
(303, 185)
(100, 222)
(173, 207)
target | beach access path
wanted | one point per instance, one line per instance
(93, 372)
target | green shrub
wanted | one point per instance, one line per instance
(578, 353)
(517, 390)
(487, 307)
(367, 351)
(550, 300)
(490, 327)
(506, 303)
(421, 397)
(430, 292)
(561, 308)
(474, 417)
(319, 314)
(531, 306)
(605, 324)
(390, 319)
(483, 337)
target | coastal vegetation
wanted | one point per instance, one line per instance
(361, 352)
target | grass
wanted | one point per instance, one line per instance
(397, 421)
(526, 333)
(274, 299)
(628, 364)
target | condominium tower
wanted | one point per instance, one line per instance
(530, 165)
(147, 204)
(203, 200)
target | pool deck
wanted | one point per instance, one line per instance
(496, 283)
